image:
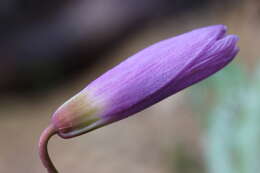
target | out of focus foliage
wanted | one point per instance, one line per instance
(231, 114)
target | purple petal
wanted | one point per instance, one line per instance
(146, 78)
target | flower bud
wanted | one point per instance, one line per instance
(145, 79)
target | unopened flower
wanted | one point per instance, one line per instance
(141, 81)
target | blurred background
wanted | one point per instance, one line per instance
(50, 50)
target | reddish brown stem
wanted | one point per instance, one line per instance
(43, 150)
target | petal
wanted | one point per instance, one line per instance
(146, 78)
(218, 56)
(141, 77)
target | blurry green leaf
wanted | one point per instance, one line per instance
(232, 117)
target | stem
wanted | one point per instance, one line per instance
(43, 150)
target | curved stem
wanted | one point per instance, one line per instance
(43, 150)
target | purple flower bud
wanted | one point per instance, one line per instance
(145, 79)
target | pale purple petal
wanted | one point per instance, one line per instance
(146, 78)
(163, 69)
